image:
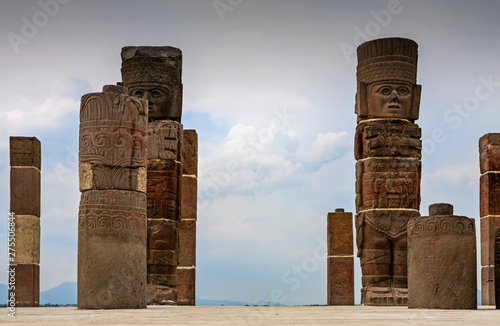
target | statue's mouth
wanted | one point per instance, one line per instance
(394, 106)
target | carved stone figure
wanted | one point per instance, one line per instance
(388, 151)
(154, 74)
(489, 192)
(442, 260)
(112, 225)
(24, 225)
(340, 259)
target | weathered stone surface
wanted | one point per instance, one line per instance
(489, 187)
(164, 189)
(388, 171)
(189, 204)
(27, 239)
(340, 281)
(489, 153)
(391, 63)
(113, 130)
(387, 138)
(190, 152)
(25, 191)
(27, 282)
(186, 287)
(442, 262)
(388, 183)
(115, 89)
(154, 73)
(165, 140)
(103, 177)
(163, 280)
(163, 234)
(112, 233)
(339, 234)
(187, 243)
(25, 151)
(497, 268)
(487, 285)
(488, 226)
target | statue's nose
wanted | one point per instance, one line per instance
(394, 96)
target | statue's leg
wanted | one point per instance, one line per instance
(376, 268)
(400, 278)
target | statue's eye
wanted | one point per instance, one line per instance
(138, 93)
(403, 91)
(385, 90)
(156, 93)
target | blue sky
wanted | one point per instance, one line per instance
(269, 86)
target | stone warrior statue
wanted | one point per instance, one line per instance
(154, 73)
(388, 169)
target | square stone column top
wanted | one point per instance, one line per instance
(25, 151)
(489, 153)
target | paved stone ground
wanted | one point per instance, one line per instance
(217, 315)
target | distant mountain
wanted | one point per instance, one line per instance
(65, 293)
(208, 302)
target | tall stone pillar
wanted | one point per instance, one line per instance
(186, 271)
(340, 259)
(24, 256)
(388, 168)
(489, 210)
(154, 74)
(112, 225)
(497, 268)
(442, 260)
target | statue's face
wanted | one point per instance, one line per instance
(159, 100)
(390, 100)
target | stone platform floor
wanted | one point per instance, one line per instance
(226, 315)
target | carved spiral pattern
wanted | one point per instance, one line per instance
(441, 224)
(105, 219)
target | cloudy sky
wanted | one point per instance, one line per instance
(269, 86)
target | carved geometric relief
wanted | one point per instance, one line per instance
(165, 140)
(164, 190)
(25, 151)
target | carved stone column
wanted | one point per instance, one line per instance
(388, 151)
(112, 226)
(24, 255)
(442, 260)
(155, 74)
(489, 192)
(340, 259)
(186, 271)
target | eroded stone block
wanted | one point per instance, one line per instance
(442, 262)
(189, 203)
(27, 280)
(489, 187)
(25, 191)
(186, 286)
(164, 189)
(25, 151)
(27, 239)
(102, 177)
(489, 153)
(187, 243)
(190, 152)
(340, 233)
(340, 281)
(165, 140)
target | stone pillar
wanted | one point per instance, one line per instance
(186, 271)
(112, 225)
(340, 259)
(497, 268)
(388, 169)
(24, 258)
(442, 260)
(154, 74)
(489, 192)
